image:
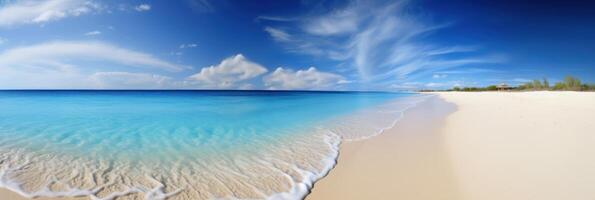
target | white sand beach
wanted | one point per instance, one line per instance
(496, 145)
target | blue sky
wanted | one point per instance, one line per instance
(303, 45)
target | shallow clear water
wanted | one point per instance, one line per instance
(182, 144)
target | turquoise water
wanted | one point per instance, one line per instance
(163, 133)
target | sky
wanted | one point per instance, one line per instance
(292, 45)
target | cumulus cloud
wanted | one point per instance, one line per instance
(230, 73)
(32, 11)
(64, 54)
(142, 7)
(92, 33)
(128, 80)
(310, 79)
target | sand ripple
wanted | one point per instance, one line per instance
(280, 168)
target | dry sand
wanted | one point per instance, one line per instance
(497, 145)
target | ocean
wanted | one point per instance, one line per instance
(182, 144)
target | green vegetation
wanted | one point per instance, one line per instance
(475, 89)
(535, 85)
(568, 84)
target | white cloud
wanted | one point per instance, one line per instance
(32, 12)
(275, 18)
(434, 85)
(450, 50)
(191, 45)
(471, 71)
(278, 34)
(382, 42)
(61, 54)
(406, 85)
(439, 76)
(230, 73)
(335, 23)
(142, 7)
(92, 33)
(418, 85)
(311, 79)
(80, 65)
(127, 80)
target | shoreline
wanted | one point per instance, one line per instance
(496, 145)
(363, 162)
(7, 194)
(309, 180)
(447, 147)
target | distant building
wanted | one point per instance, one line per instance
(503, 87)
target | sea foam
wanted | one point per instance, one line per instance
(284, 163)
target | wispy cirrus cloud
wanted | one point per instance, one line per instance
(275, 18)
(382, 47)
(278, 34)
(35, 12)
(93, 33)
(81, 64)
(46, 55)
(470, 71)
(439, 76)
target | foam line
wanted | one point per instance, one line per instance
(332, 135)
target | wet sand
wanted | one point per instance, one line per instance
(408, 161)
(496, 145)
(6, 194)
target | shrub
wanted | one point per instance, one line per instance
(572, 83)
(491, 88)
(537, 84)
(559, 86)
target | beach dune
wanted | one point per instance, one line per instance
(496, 145)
